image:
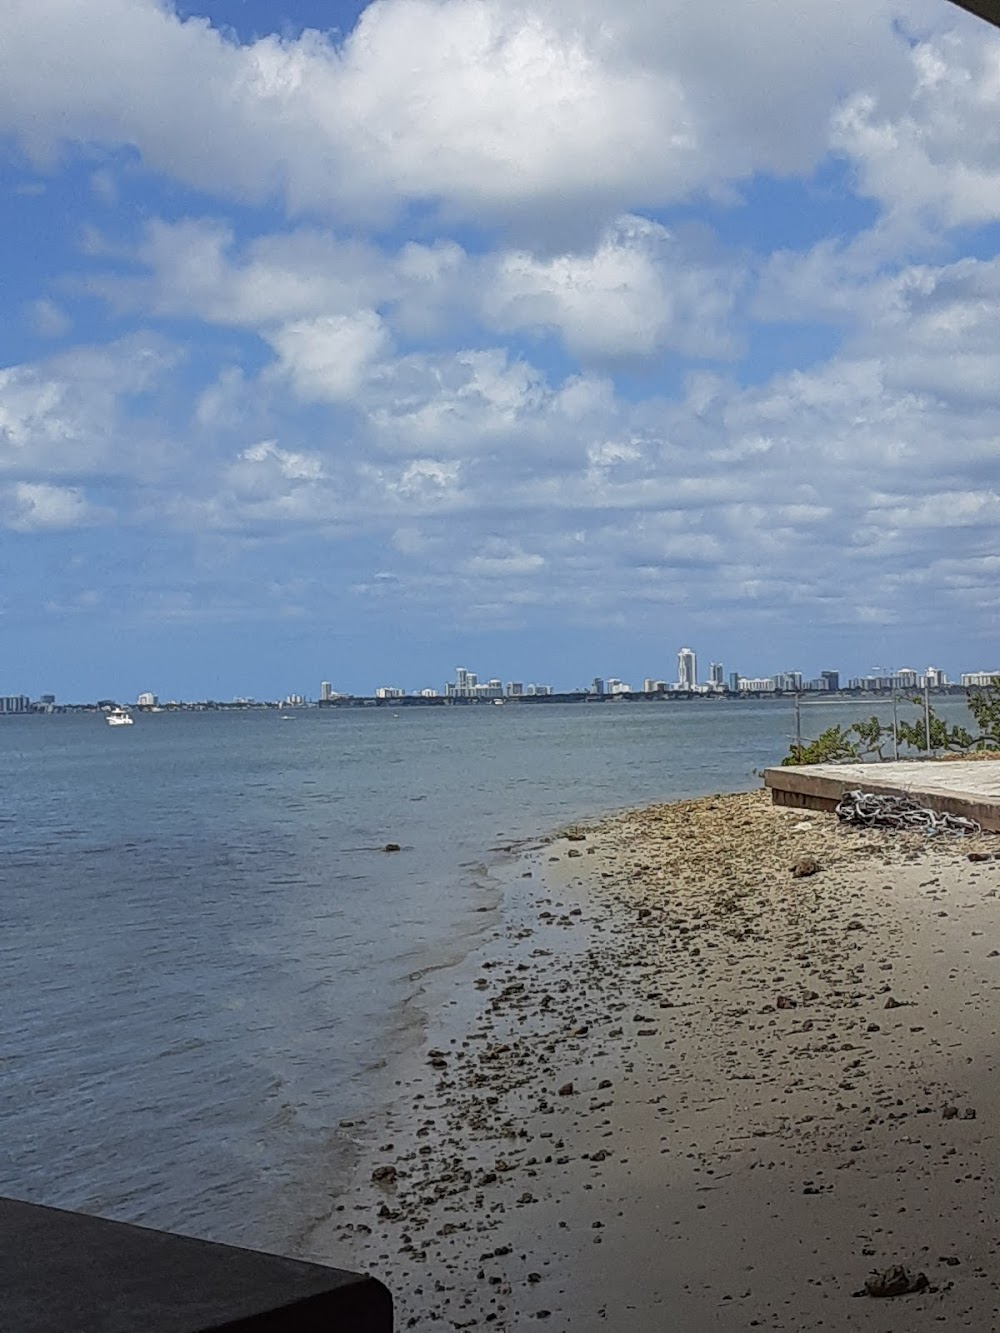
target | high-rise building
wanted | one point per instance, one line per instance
(325, 691)
(687, 669)
(734, 682)
(979, 678)
(597, 687)
(146, 700)
(832, 679)
(788, 681)
(716, 675)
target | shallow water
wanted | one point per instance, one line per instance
(207, 959)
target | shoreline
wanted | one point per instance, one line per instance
(665, 1090)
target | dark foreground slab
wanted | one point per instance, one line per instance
(960, 788)
(68, 1273)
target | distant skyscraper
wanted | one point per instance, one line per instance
(325, 691)
(716, 675)
(597, 687)
(734, 682)
(832, 679)
(687, 669)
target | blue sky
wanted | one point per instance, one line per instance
(356, 342)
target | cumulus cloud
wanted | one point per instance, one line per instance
(194, 267)
(637, 293)
(39, 507)
(488, 108)
(327, 359)
(937, 154)
(65, 415)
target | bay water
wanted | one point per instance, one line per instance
(207, 959)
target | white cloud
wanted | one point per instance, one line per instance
(48, 319)
(938, 154)
(491, 107)
(65, 415)
(635, 295)
(329, 358)
(195, 268)
(38, 507)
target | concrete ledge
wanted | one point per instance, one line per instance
(971, 789)
(64, 1271)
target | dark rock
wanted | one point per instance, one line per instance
(391, 847)
(385, 1175)
(566, 1090)
(786, 1002)
(980, 856)
(893, 1004)
(805, 867)
(895, 1281)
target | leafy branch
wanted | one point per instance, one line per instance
(871, 737)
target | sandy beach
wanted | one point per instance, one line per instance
(679, 1087)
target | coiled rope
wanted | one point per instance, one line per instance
(865, 809)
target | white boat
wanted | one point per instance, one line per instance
(119, 717)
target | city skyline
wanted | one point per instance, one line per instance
(469, 684)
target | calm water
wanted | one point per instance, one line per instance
(206, 957)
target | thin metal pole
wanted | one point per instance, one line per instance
(927, 712)
(798, 729)
(895, 729)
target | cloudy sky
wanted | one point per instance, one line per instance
(356, 342)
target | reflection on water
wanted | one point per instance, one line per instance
(206, 956)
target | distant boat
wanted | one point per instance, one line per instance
(119, 717)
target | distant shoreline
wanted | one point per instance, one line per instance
(805, 697)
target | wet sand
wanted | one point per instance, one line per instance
(680, 1088)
